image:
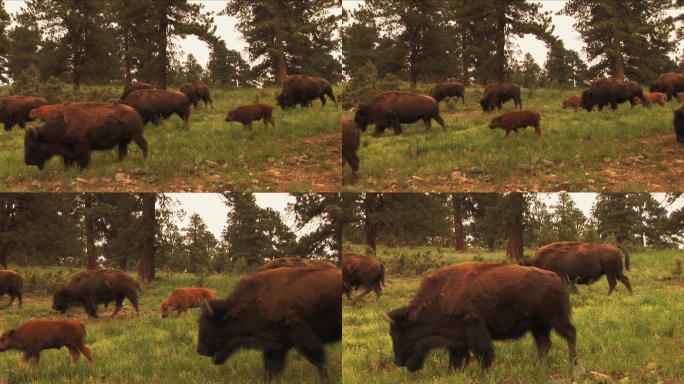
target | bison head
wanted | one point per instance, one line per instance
(230, 116)
(284, 101)
(60, 301)
(411, 342)
(7, 340)
(216, 327)
(363, 117)
(654, 87)
(588, 100)
(36, 152)
(486, 104)
(496, 122)
(165, 309)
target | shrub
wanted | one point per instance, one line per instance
(415, 264)
(366, 83)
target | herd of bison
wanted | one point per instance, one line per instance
(72, 130)
(462, 307)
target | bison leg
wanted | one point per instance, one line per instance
(21, 122)
(439, 120)
(508, 134)
(309, 345)
(537, 131)
(322, 98)
(36, 359)
(612, 283)
(396, 126)
(625, 281)
(123, 150)
(568, 332)
(86, 352)
(480, 343)
(427, 123)
(91, 309)
(542, 337)
(274, 363)
(75, 354)
(142, 144)
(377, 289)
(82, 153)
(26, 357)
(458, 357)
(20, 298)
(119, 305)
(361, 296)
(8, 126)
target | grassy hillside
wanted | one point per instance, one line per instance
(622, 338)
(141, 348)
(301, 154)
(626, 150)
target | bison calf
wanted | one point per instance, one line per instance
(653, 97)
(679, 124)
(512, 121)
(360, 270)
(11, 284)
(573, 102)
(183, 298)
(245, 114)
(36, 335)
(351, 140)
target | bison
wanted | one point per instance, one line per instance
(183, 298)
(204, 94)
(583, 263)
(11, 283)
(679, 124)
(351, 140)
(157, 104)
(300, 89)
(450, 89)
(573, 102)
(653, 97)
(603, 92)
(273, 311)
(464, 307)
(17, 109)
(135, 86)
(512, 121)
(91, 288)
(36, 335)
(392, 108)
(360, 270)
(496, 94)
(296, 262)
(73, 130)
(245, 114)
(668, 83)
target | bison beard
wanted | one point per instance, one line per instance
(679, 124)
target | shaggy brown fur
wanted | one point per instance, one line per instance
(362, 271)
(183, 298)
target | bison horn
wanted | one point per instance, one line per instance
(388, 319)
(208, 308)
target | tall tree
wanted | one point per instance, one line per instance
(514, 206)
(457, 200)
(4, 41)
(568, 220)
(146, 266)
(91, 257)
(199, 244)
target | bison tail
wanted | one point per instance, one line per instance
(626, 257)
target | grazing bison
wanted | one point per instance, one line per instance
(464, 307)
(189, 90)
(135, 86)
(512, 121)
(668, 83)
(573, 102)
(583, 263)
(204, 94)
(245, 114)
(17, 109)
(392, 108)
(611, 92)
(360, 270)
(300, 89)
(183, 298)
(653, 97)
(73, 130)
(679, 124)
(496, 94)
(11, 283)
(157, 104)
(351, 140)
(275, 310)
(451, 89)
(36, 335)
(296, 262)
(91, 288)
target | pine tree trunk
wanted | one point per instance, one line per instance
(464, 57)
(281, 67)
(514, 249)
(146, 268)
(128, 75)
(163, 41)
(457, 217)
(619, 73)
(91, 259)
(370, 226)
(500, 43)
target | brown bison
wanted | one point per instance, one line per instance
(91, 288)
(197, 92)
(300, 89)
(73, 130)
(668, 83)
(611, 92)
(679, 124)
(496, 94)
(135, 86)
(392, 108)
(360, 270)
(157, 104)
(275, 310)
(464, 307)
(296, 262)
(351, 140)
(36, 335)
(653, 97)
(11, 283)
(583, 263)
(450, 89)
(512, 121)
(245, 114)
(183, 298)
(17, 109)
(573, 102)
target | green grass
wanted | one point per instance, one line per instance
(626, 338)
(212, 155)
(575, 149)
(145, 348)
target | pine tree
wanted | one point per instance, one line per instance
(568, 220)
(199, 245)
(192, 70)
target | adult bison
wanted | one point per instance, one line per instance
(362, 271)
(73, 130)
(276, 310)
(669, 83)
(583, 263)
(11, 283)
(679, 124)
(351, 140)
(296, 262)
(157, 104)
(300, 89)
(496, 94)
(449, 89)
(17, 109)
(90, 288)
(393, 108)
(464, 307)
(612, 92)
(204, 94)
(135, 86)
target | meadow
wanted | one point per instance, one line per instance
(622, 338)
(301, 154)
(142, 348)
(626, 150)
